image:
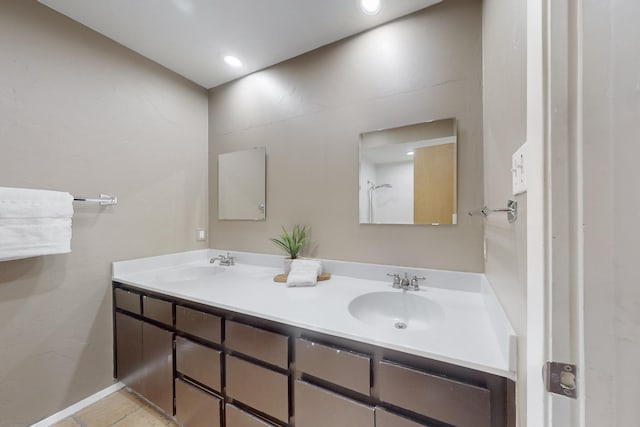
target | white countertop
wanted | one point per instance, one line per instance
(472, 331)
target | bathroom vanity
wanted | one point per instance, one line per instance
(226, 346)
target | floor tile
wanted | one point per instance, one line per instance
(67, 422)
(119, 409)
(145, 416)
(109, 410)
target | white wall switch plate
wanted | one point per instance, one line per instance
(201, 234)
(519, 170)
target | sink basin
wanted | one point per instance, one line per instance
(195, 272)
(396, 310)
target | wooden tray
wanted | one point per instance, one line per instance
(282, 278)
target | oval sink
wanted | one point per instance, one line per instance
(195, 272)
(397, 310)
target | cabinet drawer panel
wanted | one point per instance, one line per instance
(127, 300)
(447, 400)
(199, 362)
(261, 388)
(196, 407)
(385, 418)
(316, 407)
(198, 323)
(157, 309)
(238, 418)
(263, 345)
(341, 367)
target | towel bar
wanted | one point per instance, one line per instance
(103, 200)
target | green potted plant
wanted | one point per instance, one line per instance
(291, 244)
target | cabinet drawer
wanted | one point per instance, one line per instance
(257, 343)
(127, 300)
(196, 407)
(261, 388)
(385, 418)
(316, 407)
(238, 418)
(157, 309)
(341, 367)
(453, 402)
(199, 362)
(198, 323)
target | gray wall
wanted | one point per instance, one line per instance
(309, 113)
(611, 125)
(505, 128)
(82, 114)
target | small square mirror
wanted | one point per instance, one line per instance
(242, 185)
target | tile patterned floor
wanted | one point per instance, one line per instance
(120, 409)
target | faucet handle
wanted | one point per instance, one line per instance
(414, 282)
(230, 259)
(396, 279)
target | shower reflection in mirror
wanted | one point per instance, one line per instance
(408, 174)
(371, 188)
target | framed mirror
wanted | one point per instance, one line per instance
(408, 174)
(242, 185)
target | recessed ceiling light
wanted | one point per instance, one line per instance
(232, 61)
(371, 7)
(410, 153)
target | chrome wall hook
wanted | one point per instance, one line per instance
(511, 210)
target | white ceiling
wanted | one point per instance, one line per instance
(190, 37)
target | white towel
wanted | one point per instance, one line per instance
(34, 222)
(304, 272)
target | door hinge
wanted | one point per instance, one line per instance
(560, 378)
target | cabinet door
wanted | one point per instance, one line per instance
(157, 357)
(263, 389)
(236, 417)
(127, 300)
(195, 407)
(199, 362)
(199, 324)
(157, 309)
(338, 366)
(385, 418)
(129, 365)
(435, 396)
(263, 345)
(316, 407)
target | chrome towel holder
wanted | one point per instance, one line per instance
(102, 200)
(511, 210)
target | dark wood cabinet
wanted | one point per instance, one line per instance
(235, 370)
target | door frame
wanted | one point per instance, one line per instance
(554, 206)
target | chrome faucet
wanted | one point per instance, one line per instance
(406, 283)
(224, 260)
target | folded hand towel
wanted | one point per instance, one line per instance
(304, 272)
(34, 222)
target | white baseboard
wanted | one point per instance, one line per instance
(59, 416)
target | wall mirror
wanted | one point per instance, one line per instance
(408, 174)
(242, 185)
